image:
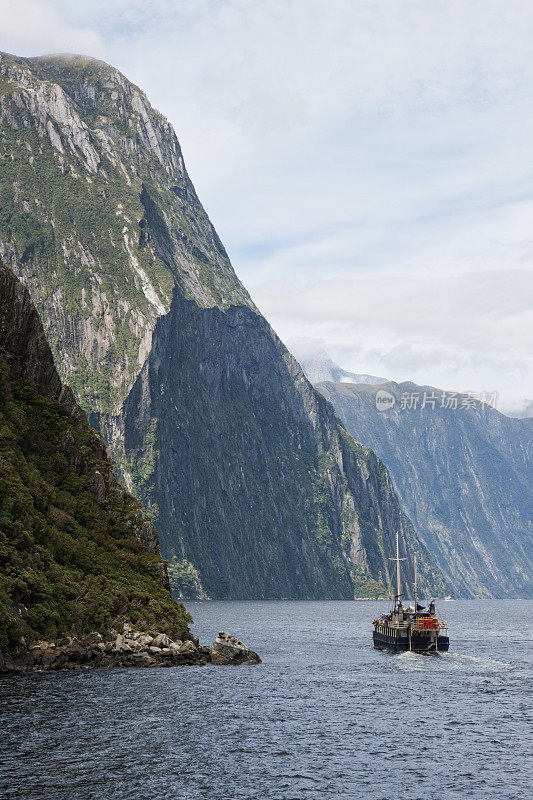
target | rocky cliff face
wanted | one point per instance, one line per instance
(464, 475)
(241, 463)
(254, 479)
(99, 218)
(76, 550)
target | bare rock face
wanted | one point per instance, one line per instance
(226, 649)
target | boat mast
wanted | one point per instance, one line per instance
(416, 587)
(397, 559)
(398, 566)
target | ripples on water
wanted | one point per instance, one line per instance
(325, 716)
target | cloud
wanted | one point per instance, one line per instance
(368, 165)
(34, 27)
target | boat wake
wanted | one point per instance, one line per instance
(420, 662)
(415, 662)
(483, 663)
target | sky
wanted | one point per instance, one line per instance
(367, 164)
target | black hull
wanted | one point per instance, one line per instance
(419, 644)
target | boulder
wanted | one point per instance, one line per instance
(122, 645)
(58, 660)
(161, 640)
(187, 653)
(187, 648)
(49, 656)
(142, 660)
(226, 649)
(76, 650)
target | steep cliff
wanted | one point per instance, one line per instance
(247, 469)
(99, 218)
(464, 473)
(243, 466)
(76, 550)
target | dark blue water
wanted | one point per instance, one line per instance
(325, 716)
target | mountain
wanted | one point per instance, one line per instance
(77, 552)
(463, 472)
(319, 367)
(253, 483)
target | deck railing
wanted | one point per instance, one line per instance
(422, 624)
(430, 624)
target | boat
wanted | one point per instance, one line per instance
(415, 629)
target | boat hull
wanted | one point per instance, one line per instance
(419, 644)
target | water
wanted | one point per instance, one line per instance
(325, 716)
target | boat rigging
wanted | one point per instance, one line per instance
(411, 629)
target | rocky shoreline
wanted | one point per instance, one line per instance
(127, 649)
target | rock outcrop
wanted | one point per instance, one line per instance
(226, 650)
(127, 649)
(244, 468)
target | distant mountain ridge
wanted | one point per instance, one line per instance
(242, 465)
(464, 473)
(320, 367)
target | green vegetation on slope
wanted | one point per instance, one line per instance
(67, 560)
